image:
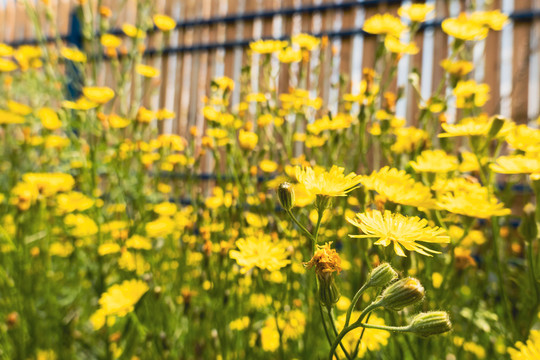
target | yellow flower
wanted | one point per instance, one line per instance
(120, 299)
(49, 184)
(146, 70)
(163, 114)
(289, 55)
(399, 230)
(465, 29)
(384, 24)
(161, 227)
(56, 142)
(268, 166)
(110, 41)
(81, 225)
(108, 248)
(118, 122)
(81, 104)
(49, 119)
(224, 83)
(247, 139)
(5, 50)
(373, 340)
(409, 139)
(305, 41)
(99, 95)
(61, 249)
(469, 93)
(474, 126)
(475, 205)
(73, 54)
(18, 108)
(165, 209)
(145, 115)
(327, 183)
(392, 44)
(73, 201)
(416, 12)
(164, 22)
(493, 19)
(516, 164)
(458, 67)
(339, 121)
(133, 262)
(7, 65)
(434, 161)
(291, 324)
(523, 138)
(528, 351)
(260, 251)
(399, 187)
(132, 31)
(7, 117)
(267, 46)
(138, 242)
(325, 260)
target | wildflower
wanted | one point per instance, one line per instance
(523, 138)
(247, 140)
(267, 46)
(326, 262)
(268, 166)
(147, 71)
(161, 227)
(5, 50)
(394, 45)
(286, 195)
(7, 65)
(469, 93)
(164, 22)
(132, 31)
(99, 95)
(81, 225)
(474, 126)
(138, 242)
(339, 121)
(305, 41)
(399, 187)
(416, 12)
(120, 299)
(457, 68)
(73, 201)
(434, 161)
(289, 55)
(108, 248)
(401, 294)
(400, 230)
(18, 108)
(48, 184)
(492, 19)
(133, 262)
(430, 323)
(145, 115)
(224, 83)
(528, 351)
(516, 164)
(291, 324)
(409, 139)
(118, 122)
(165, 209)
(7, 117)
(475, 205)
(373, 340)
(384, 24)
(327, 183)
(73, 54)
(110, 41)
(464, 29)
(61, 249)
(381, 275)
(261, 252)
(49, 119)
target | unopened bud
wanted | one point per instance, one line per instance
(496, 125)
(328, 291)
(286, 195)
(402, 293)
(381, 275)
(430, 323)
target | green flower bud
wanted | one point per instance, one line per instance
(323, 202)
(381, 275)
(528, 227)
(496, 125)
(430, 323)
(328, 291)
(402, 293)
(286, 195)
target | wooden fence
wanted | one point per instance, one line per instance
(212, 35)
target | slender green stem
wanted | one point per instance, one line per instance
(324, 324)
(308, 234)
(384, 327)
(331, 317)
(353, 304)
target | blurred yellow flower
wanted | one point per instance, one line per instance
(416, 12)
(527, 351)
(469, 93)
(110, 41)
(268, 166)
(49, 118)
(394, 45)
(400, 230)
(289, 55)
(132, 31)
(7, 117)
(458, 67)
(247, 139)
(327, 183)
(384, 24)
(409, 139)
(5, 50)
(516, 164)
(465, 29)
(434, 161)
(118, 122)
(61, 249)
(147, 70)
(73, 201)
(164, 22)
(260, 251)
(120, 299)
(99, 95)
(493, 19)
(267, 46)
(80, 225)
(7, 65)
(73, 54)
(305, 41)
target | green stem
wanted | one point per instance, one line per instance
(308, 234)
(353, 304)
(331, 317)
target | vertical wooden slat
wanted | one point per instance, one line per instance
(493, 67)
(534, 83)
(178, 127)
(190, 13)
(520, 64)
(440, 47)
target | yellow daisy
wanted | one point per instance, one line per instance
(327, 183)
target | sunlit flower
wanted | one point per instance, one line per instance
(469, 93)
(80, 225)
(327, 183)
(132, 31)
(464, 29)
(474, 126)
(120, 299)
(73, 201)
(247, 139)
(73, 54)
(493, 19)
(49, 118)
(99, 95)
(267, 46)
(289, 55)
(523, 138)
(146, 70)
(7, 117)
(434, 161)
(458, 67)
(516, 164)
(474, 205)
(261, 252)
(118, 122)
(268, 166)
(305, 41)
(400, 230)
(527, 351)
(394, 45)
(110, 41)
(416, 12)
(384, 24)
(399, 187)
(164, 22)
(409, 139)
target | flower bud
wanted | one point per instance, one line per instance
(430, 323)
(286, 195)
(528, 227)
(402, 293)
(328, 291)
(381, 275)
(496, 125)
